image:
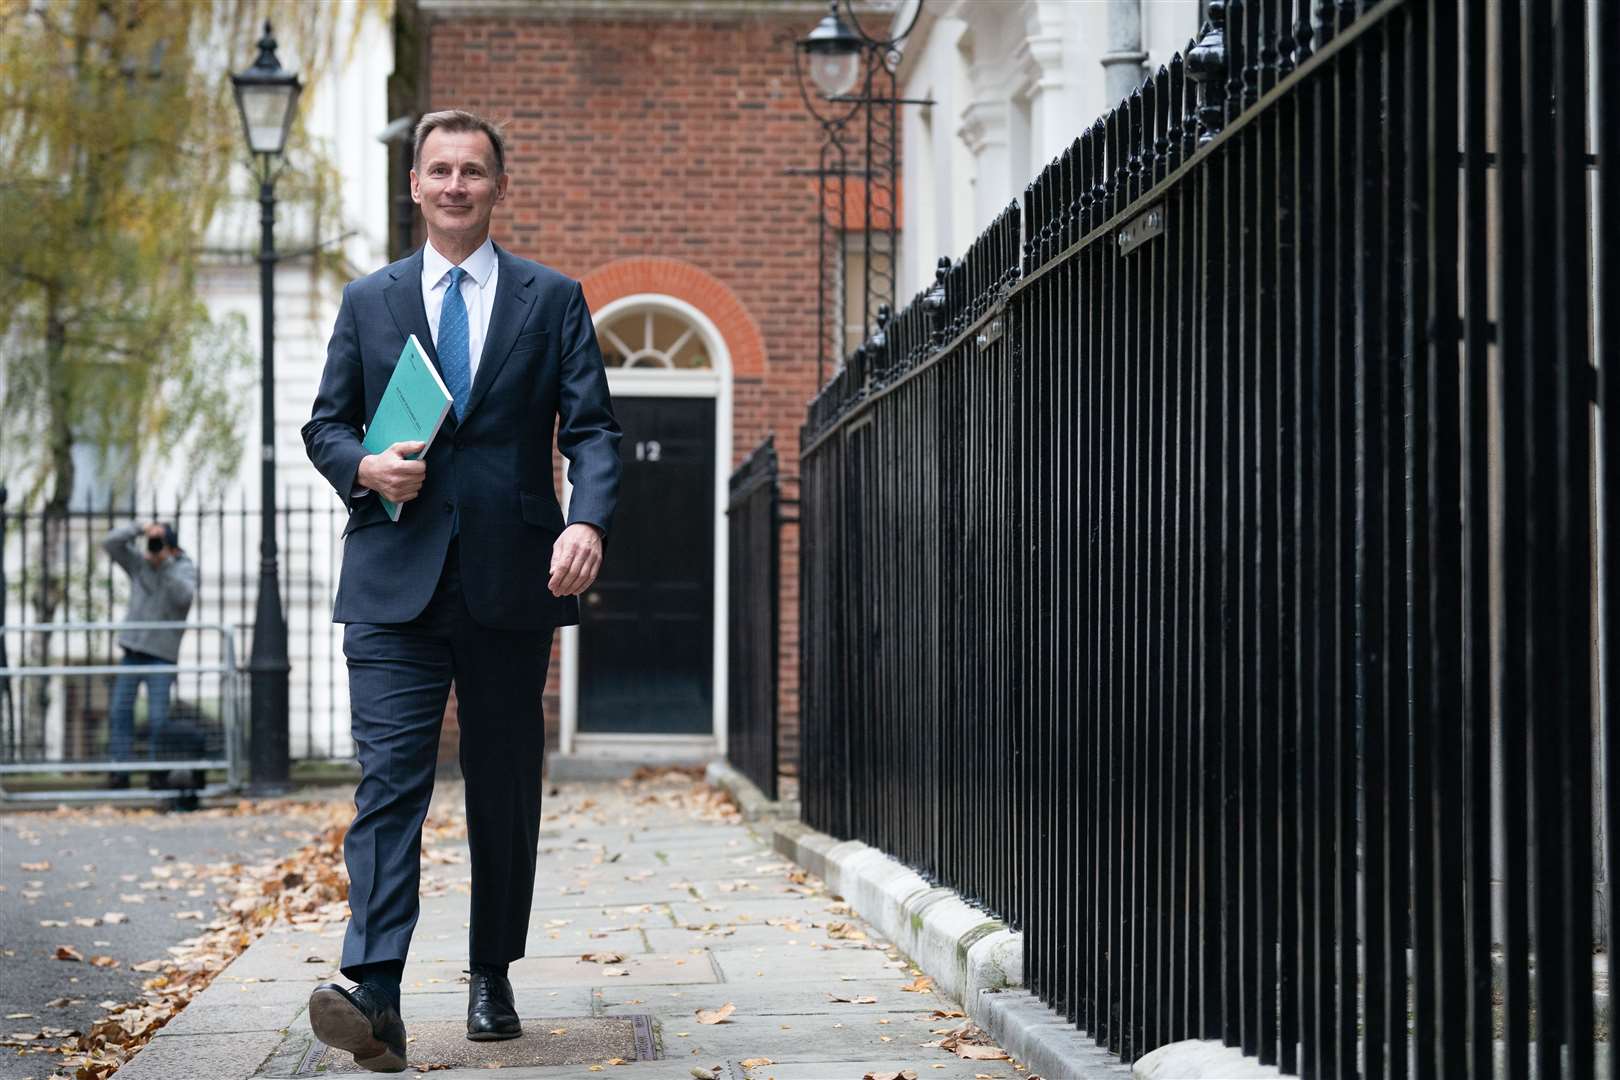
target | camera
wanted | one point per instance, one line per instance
(154, 544)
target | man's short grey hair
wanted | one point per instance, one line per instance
(452, 120)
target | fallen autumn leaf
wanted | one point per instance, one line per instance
(716, 1016)
(969, 1052)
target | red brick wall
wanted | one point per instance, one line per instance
(665, 141)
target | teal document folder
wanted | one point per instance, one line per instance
(412, 409)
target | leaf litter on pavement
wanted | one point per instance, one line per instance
(307, 888)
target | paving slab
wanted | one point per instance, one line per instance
(717, 843)
(645, 913)
(809, 996)
(754, 909)
(543, 941)
(655, 848)
(548, 936)
(732, 936)
(577, 941)
(559, 972)
(738, 965)
(227, 989)
(201, 1057)
(234, 1017)
(604, 895)
(805, 1038)
(292, 956)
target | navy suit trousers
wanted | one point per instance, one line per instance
(399, 683)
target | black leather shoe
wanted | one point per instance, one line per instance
(355, 1020)
(491, 1013)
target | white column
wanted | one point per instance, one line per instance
(1045, 85)
(984, 130)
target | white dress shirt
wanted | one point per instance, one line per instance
(477, 292)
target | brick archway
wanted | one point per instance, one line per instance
(683, 281)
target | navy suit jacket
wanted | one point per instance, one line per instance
(540, 372)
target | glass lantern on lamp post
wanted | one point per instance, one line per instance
(833, 52)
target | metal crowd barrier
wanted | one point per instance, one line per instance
(55, 718)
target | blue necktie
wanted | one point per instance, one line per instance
(453, 342)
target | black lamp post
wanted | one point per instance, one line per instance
(853, 74)
(266, 96)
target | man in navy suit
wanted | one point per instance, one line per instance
(469, 584)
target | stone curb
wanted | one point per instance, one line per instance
(960, 947)
(971, 956)
(1039, 1038)
(1201, 1059)
(751, 801)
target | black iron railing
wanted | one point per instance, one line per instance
(754, 603)
(56, 571)
(1203, 573)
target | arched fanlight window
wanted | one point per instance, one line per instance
(654, 338)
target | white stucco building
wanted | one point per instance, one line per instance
(1013, 82)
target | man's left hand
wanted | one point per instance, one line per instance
(575, 559)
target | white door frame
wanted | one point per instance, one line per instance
(715, 382)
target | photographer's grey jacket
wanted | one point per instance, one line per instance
(156, 593)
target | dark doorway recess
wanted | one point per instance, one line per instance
(647, 626)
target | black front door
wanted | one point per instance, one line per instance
(646, 635)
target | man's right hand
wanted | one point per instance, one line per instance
(393, 477)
